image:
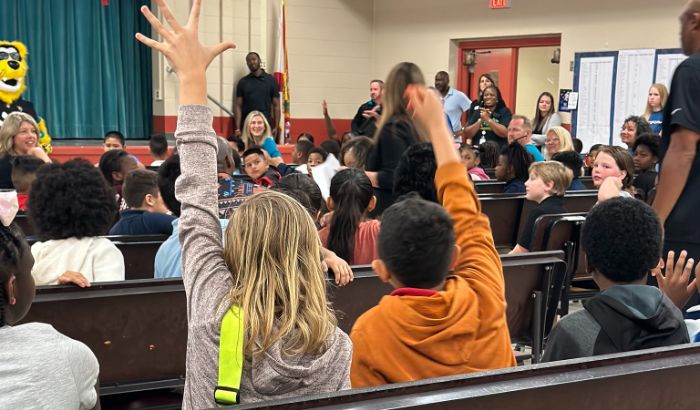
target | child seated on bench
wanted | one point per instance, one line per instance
(72, 206)
(114, 165)
(158, 147)
(268, 266)
(573, 161)
(147, 213)
(613, 173)
(622, 241)
(448, 313)
(546, 186)
(258, 169)
(512, 168)
(39, 367)
(24, 169)
(472, 161)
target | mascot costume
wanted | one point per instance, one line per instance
(13, 73)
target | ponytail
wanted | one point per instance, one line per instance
(351, 191)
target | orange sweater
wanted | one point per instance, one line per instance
(458, 330)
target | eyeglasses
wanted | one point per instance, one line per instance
(14, 55)
(552, 141)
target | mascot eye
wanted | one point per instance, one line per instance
(15, 56)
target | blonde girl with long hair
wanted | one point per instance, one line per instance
(270, 265)
(256, 131)
(656, 101)
(18, 136)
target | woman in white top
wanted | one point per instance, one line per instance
(544, 119)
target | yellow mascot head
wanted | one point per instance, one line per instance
(13, 70)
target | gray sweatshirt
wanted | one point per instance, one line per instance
(208, 281)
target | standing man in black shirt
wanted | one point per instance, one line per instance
(678, 192)
(258, 91)
(365, 121)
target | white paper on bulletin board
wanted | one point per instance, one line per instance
(635, 74)
(665, 66)
(595, 90)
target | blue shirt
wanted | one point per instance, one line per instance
(514, 186)
(536, 154)
(167, 262)
(138, 222)
(656, 120)
(454, 104)
(271, 148)
(576, 185)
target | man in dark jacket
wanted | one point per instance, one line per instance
(365, 121)
(622, 241)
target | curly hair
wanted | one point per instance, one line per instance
(71, 200)
(488, 154)
(643, 126)
(622, 239)
(649, 140)
(416, 172)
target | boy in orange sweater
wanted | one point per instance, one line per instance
(434, 323)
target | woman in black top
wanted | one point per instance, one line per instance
(18, 136)
(490, 121)
(395, 133)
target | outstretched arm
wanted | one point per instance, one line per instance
(330, 129)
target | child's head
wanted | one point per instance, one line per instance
(115, 164)
(547, 179)
(113, 140)
(351, 197)
(236, 144)
(168, 173)
(571, 160)
(488, 154)
(613, 161)
(354, 152)
(16, 281)
(303, 188)
(255, 163)
(24, 169)
(317, 156)
(71, 200)
(225, 163)
(646, 152)
(331, 147)
(416, 172)
(305, 136)
(300, 155)
(255, 129)
(592, 153)
(469, 155)
(622, 240)
(416, 244)
(141, 191)
(513, 163)
(278, 281)
(158, 145)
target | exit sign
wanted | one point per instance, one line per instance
(499, 4)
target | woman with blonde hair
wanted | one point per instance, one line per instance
(263, 286)
(256, 131)
(18, 136)
(396, 132)
(656, 101)
(558, 140)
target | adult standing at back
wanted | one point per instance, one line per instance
(490, 121)
(258, 91)
(365, 121)
(454, 102)
(677, 194)
(395, 133)
(545, 118)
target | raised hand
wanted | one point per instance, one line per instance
(675, 282)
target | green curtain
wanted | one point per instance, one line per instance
(87, 73)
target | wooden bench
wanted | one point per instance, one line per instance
(661, 378)
(496, 187)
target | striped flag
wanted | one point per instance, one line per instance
(281, 73)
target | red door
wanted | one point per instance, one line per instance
(500, 64)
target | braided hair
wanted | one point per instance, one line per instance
(10, 254)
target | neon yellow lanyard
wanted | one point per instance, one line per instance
(230, 357)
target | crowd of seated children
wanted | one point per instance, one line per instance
(113, 140)
(158, 147)
(416, 172)
(646, 156)
(633, 127)
(38, 364)
(613, 173)
(447, 314)
(257, 133)
(622, 240)
(354, 152)
(558, 140)
(258, 169)
(573, 161)
(147, 213)
(71, 206)
(114, 165)
(513, 167)
(546, 185)
(471, 159)
(300, 155)
(24, 169)
(488, 154)
(350, 234)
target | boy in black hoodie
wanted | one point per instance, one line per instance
(622, 241)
